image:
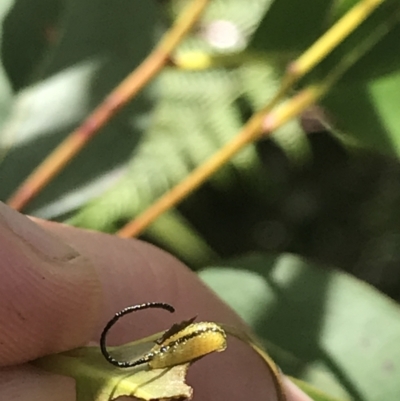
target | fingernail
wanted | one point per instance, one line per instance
(34, 236)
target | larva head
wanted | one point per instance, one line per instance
(194, 341)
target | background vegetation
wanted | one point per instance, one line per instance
(324, 190)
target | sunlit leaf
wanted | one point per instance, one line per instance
(321, 325)
(98, 380)
(96, 49)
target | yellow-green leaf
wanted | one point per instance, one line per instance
(98, 380)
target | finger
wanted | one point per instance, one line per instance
(25, 383)
(50, 294)
(133, 272)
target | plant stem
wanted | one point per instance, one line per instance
(122, 94)
(260, 124)
(332, 38)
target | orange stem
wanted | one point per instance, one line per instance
(268, 119)
(122, 94)
(248, 134)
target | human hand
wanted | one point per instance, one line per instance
(60, 285)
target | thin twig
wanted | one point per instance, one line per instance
(260, 124)
(122, 94)
(195, 179)
(321, 48)
(333, 37)
(249, 133)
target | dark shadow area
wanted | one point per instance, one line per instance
(29, 31)
(340, 209)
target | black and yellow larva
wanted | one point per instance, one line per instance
(180, 344)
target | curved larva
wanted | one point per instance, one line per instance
(192, 342)
(182, 343)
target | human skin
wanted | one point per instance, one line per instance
(60, 285)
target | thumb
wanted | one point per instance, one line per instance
(50, 294)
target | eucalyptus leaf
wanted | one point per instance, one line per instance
(381, 59)
(314, 393)
(98, 380)
(95, 50)
(322, 326)
(291, 26)
(367, 112)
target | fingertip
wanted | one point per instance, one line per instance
(50, 292)
(133, 272)
(29, 383)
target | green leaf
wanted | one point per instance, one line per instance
(197, 113)
(289, 28)
(321, 325)
(98, 380)
(368, 113)
(96, 49)
(382, 58)
(314, 393)
(361, 104)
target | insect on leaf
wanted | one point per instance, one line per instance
(98, 380)
(175, 329)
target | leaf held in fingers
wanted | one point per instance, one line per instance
(97, 380)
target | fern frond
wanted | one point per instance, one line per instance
(196, 113)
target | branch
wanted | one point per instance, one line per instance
(270, 118)
(122, 94)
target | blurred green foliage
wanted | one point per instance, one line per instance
(325, 186)
(326, 327)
